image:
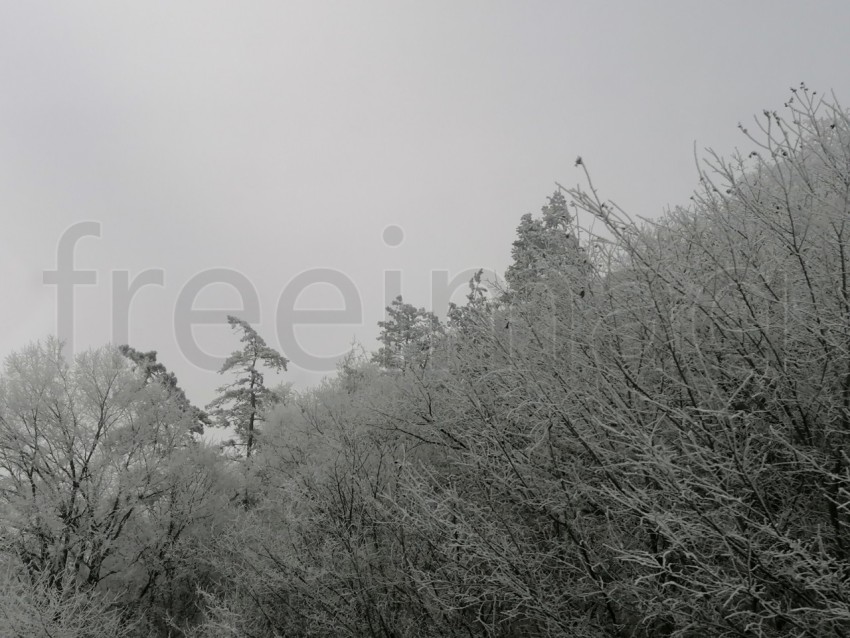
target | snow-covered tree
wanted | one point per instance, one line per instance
(408, 336)
(154, 371)
(547, 252)
(98, 476)
(241, 403)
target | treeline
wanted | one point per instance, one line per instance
(643, 433)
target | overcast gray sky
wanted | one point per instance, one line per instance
(275, 138)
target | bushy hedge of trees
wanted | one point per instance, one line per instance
(644, 433)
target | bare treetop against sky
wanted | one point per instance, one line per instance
(326, 154)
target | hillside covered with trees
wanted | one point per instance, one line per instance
(643, 432)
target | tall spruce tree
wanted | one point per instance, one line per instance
(241, 404)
